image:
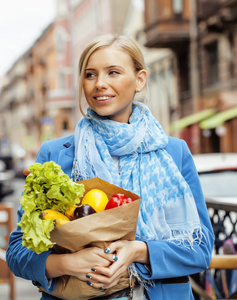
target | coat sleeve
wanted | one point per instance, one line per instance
(26, 263)
(168, 259)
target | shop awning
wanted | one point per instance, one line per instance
(219, 119)
(192, 119)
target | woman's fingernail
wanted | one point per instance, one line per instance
(89, 283)
(115, 258)
(88, 276)
(107, 250)
(93, 270)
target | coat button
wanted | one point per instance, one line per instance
(36, 283)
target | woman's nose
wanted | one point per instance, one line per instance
(101, 82)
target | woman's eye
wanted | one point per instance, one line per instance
(89, 75)
(113, 72)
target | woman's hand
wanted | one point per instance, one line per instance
(77, 264)
(127, 252)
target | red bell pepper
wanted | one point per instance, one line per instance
(118, 200)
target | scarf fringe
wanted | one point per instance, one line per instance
(178, 237)
(187, 238)
(146, 284)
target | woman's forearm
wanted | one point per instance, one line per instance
(56, 265)
(141, 254)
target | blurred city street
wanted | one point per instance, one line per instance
(189, 49)
(25, 290)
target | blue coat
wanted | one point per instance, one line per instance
(170, 263)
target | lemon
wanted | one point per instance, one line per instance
(96, 198)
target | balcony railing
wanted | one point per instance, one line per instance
(223, 217)
(224, 222)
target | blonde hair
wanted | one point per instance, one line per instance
(121, 42)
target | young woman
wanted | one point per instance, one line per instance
(121, 142)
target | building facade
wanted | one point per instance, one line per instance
(161, 96)
(23, 97)
(202, 34)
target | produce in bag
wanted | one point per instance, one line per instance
(97, 229)
(48, 192)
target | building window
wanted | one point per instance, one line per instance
(177, 7)
(65, 125)
(232, 56)
(62, 84)
(153, 10)
(60, 43)
(183, 67)
(212, 63)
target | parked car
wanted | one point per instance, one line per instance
(218, 176)
(7, 175)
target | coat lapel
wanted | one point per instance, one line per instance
(66, 156)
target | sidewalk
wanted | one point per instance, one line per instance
(25, 290)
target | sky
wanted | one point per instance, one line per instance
(21, 23)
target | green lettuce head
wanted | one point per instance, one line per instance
(47, 187)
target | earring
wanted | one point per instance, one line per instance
(138, 90)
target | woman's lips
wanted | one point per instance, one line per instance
(103, 99)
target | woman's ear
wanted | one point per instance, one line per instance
(141, 80)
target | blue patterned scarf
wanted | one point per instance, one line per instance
(167, 210)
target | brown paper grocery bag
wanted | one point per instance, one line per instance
(97, 229)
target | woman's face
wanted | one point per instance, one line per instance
(110, 82)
